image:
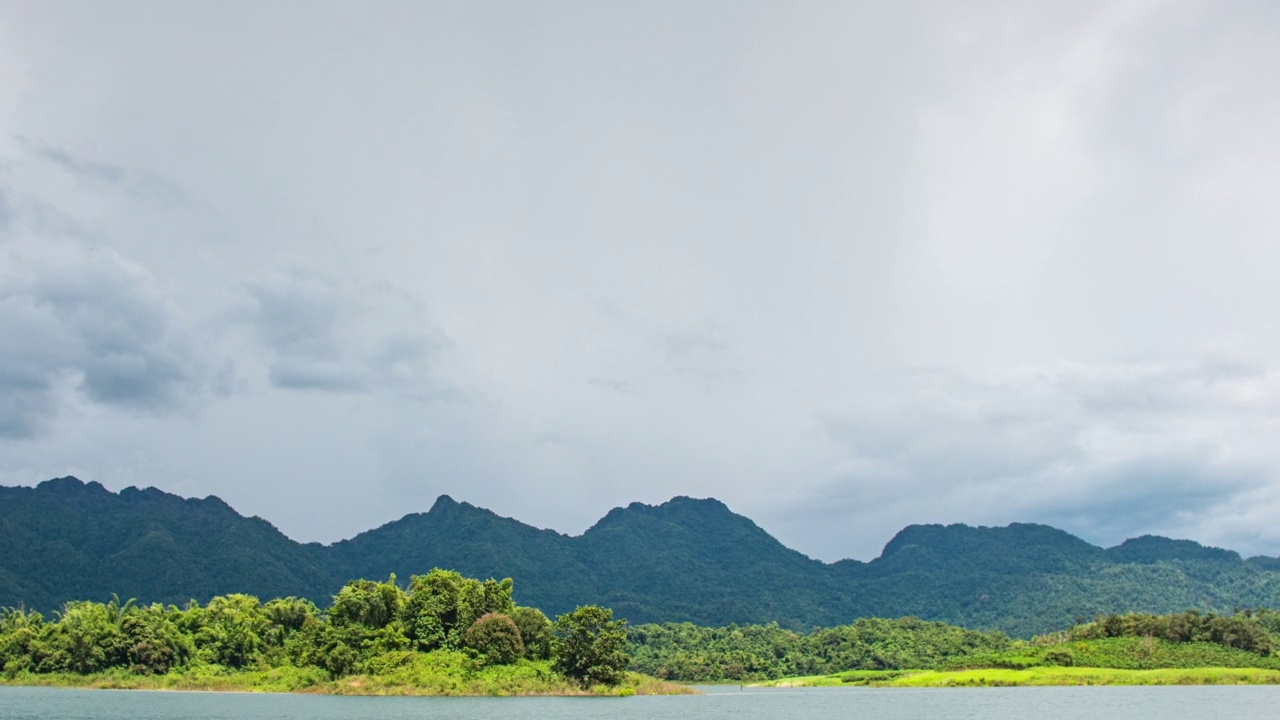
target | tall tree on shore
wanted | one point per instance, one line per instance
(590, 646)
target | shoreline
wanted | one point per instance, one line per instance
(357, 685)
(1033, 677)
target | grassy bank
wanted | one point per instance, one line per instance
(1036, 676)
(1124, 653)
(442, 673)
(1105, 661)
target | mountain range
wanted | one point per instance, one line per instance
(684, 560)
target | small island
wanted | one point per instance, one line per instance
(444, 634)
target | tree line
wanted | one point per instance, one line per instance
(367, 623)
(686, 652)
(1248, 630)
(373, 626)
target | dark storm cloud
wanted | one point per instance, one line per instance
(325, 337)
(88, 325)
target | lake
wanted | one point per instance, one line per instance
(1109, 703)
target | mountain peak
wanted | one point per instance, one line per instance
(679, 510)
(1017, 548)
(1154, 548)
(705, 505)
(71, 485)
(443, 504)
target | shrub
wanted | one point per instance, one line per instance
(535, 632)
(495, 636)
(1059, 656)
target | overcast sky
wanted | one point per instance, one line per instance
(845, 266)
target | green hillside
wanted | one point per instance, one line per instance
(67, 540)
(685, 560)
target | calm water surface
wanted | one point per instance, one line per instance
(1111, 703)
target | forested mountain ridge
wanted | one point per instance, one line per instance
(684, 560)
(68, 540)
(475, 542)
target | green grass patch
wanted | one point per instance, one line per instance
(1038, 676)
(996, 677)
(1128, 653)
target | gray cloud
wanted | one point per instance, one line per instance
(89, 170)
(141, 185)
(89, 324)
(1143, 495)
(618, 386)
(1107, 451)
(327, 337)
(763, 218)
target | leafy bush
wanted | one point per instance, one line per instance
(1059, 656)
(1242, 630)
(535, 632)
(496, 637)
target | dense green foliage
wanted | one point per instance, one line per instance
(875, 650)
(447, 633)
(684, 560)
(496, 637)
(535, 632)
(66, 540)
(372, 628)
(685, 652)
(1037, 676)
(1126, 653)
(1140, 641)
(1242, 631)
(590, 646)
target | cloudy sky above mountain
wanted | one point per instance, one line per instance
(845, 266)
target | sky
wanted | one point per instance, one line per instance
(844, 266)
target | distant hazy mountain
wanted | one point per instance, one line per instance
(683, 560)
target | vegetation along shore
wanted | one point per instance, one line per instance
(444, 634)
(1135, 649)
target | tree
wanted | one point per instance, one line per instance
(365, 602)
(590, 647)
(496, 637)
(535, 632)
(442, 604)
(231, 630)
(85, 639)
(155, 644)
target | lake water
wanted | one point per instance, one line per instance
(1109, 703)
